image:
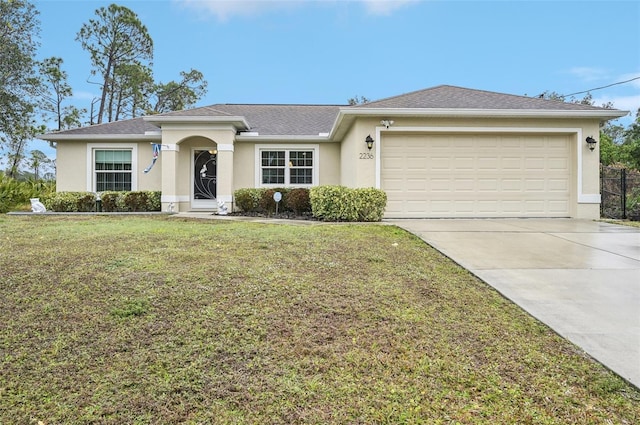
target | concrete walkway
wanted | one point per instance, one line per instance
(581, 278)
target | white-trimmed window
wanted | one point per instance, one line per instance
(112, 166)
(113, 169)
(290, 166)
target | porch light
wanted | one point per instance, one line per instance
(591, 142)
(213, 151)
(369, 142)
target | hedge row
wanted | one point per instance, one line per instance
(261, 200)
(329, 203)
(137, 201)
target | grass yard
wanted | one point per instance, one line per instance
(156, 320)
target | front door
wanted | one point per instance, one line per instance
(204, 179)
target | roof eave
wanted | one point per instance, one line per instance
(457, 112)
(349, 113)
(238, 122)
(99, 137)
(282, 138)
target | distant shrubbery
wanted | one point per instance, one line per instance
(329, 203)
(15, 194)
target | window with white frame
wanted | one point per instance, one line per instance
(113, 169)
(287, 167)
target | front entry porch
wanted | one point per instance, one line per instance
(197, 172)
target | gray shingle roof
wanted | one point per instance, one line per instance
(131, 126)
(303, 120)
(451, 97)
(280, 120)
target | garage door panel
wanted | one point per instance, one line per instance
(488, 185)
(464, 163)
(464, 185)
(416, 163)
(419, 185)
(558, 207)
(511, 163)
(488, 163)
(558, 185)
(535, 185)
(476, 175)
(535, 164)
(558, 164)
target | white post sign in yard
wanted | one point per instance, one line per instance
(277, 197)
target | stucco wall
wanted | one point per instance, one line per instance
(153, 179)
(330, 164)
(74, 165)
(358, 162)
(245, 171)
(244, 165)
(71, 166)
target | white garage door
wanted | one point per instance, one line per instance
(464, 175)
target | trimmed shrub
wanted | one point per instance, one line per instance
(370, 203)
(297, 200)
(70, 202)
(268, 204)
(110, 201)
(135, 201)
(154, 200)
(339, 203)
(248, 200)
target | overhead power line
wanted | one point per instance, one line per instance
(603, 87)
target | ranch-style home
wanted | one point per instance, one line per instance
(440, 152)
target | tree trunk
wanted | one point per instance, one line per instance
(105, 88)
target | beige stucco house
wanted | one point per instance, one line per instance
(440, 152)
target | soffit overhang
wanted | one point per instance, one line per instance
(347, 116)
(238, 122)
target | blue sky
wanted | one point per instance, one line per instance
(326, 51)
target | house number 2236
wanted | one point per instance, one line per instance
(366, 155)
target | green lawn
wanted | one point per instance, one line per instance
(157, 320)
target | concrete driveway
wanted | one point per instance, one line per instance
(581, 278)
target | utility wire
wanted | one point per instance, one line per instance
(603, 87)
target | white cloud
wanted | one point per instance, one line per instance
(589, 74)
(626, 103)
(223, 10)
(385, 7)
(84, 95)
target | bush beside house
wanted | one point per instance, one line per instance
(70, 202)
(339, 203)
(261, 201)
(136, 201)
(328, 203)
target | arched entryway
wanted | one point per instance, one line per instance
(197, 169)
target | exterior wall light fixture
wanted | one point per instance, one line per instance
(591, 142)
(369, 142)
